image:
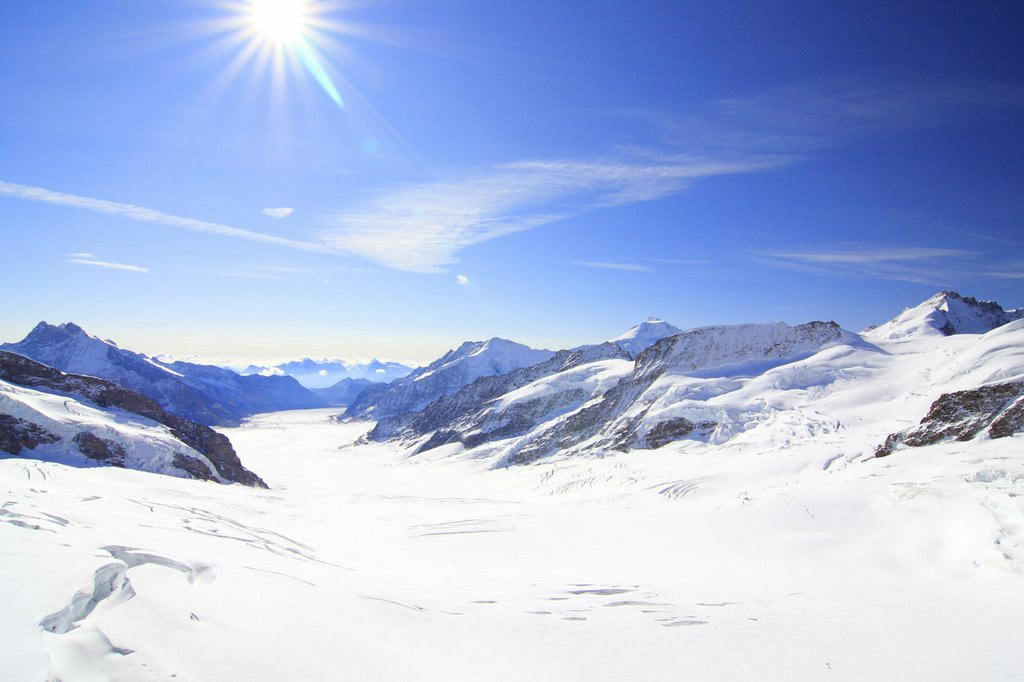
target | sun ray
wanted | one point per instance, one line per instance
(282, 31)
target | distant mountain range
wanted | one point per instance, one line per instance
(327, 372)
(951, 367)
(655, 385)
(202, 393)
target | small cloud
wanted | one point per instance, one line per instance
(631, 267)
(89, 259)
(282, 212)
(380, 371)
(272, 372)
(462, 280)
(322, 372)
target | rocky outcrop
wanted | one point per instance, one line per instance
(17, 435)
(997, 409)
(671, 430)
(100, 449)
(216, 447)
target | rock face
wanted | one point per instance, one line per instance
(996, 408)
(202, 393)
(945, 314)
(445, 376)
(17, 434)
(215, 447)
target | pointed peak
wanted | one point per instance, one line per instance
(946, 313)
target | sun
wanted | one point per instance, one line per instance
(279, 21)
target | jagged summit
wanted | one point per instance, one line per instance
(446, 375)
(945, 314)
(644, 335)
(482, 358)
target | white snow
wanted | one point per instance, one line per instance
(945, 310)
(594, 378)
(473, 360)
(644, 335)
(779, 550)
(783, 561)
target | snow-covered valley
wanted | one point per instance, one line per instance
(361, 564)
(779, 542)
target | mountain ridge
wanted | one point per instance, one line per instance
(203, 393)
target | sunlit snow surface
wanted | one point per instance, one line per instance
(783, 552)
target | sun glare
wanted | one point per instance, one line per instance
(279, 21)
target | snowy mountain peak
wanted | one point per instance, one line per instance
(493, 356)
(944, 314)
(641, 337)
(446, 375)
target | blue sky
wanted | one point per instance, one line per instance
(551, 172)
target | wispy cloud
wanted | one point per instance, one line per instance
(421, 228)
(921, 265)
(812, 116)
(631, 267)
(89, 259)
(872, 256)
(268, 272)
(282, 212)
(149, 215)
(682, 261)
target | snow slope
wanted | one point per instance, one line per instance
(783, 561)
(946, 313)
(644, 335)
(144, 444)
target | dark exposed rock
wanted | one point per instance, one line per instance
(216, 447)
(193, 467)
(100, 449)
(17, 435)
(671, 430)
(963, 415)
